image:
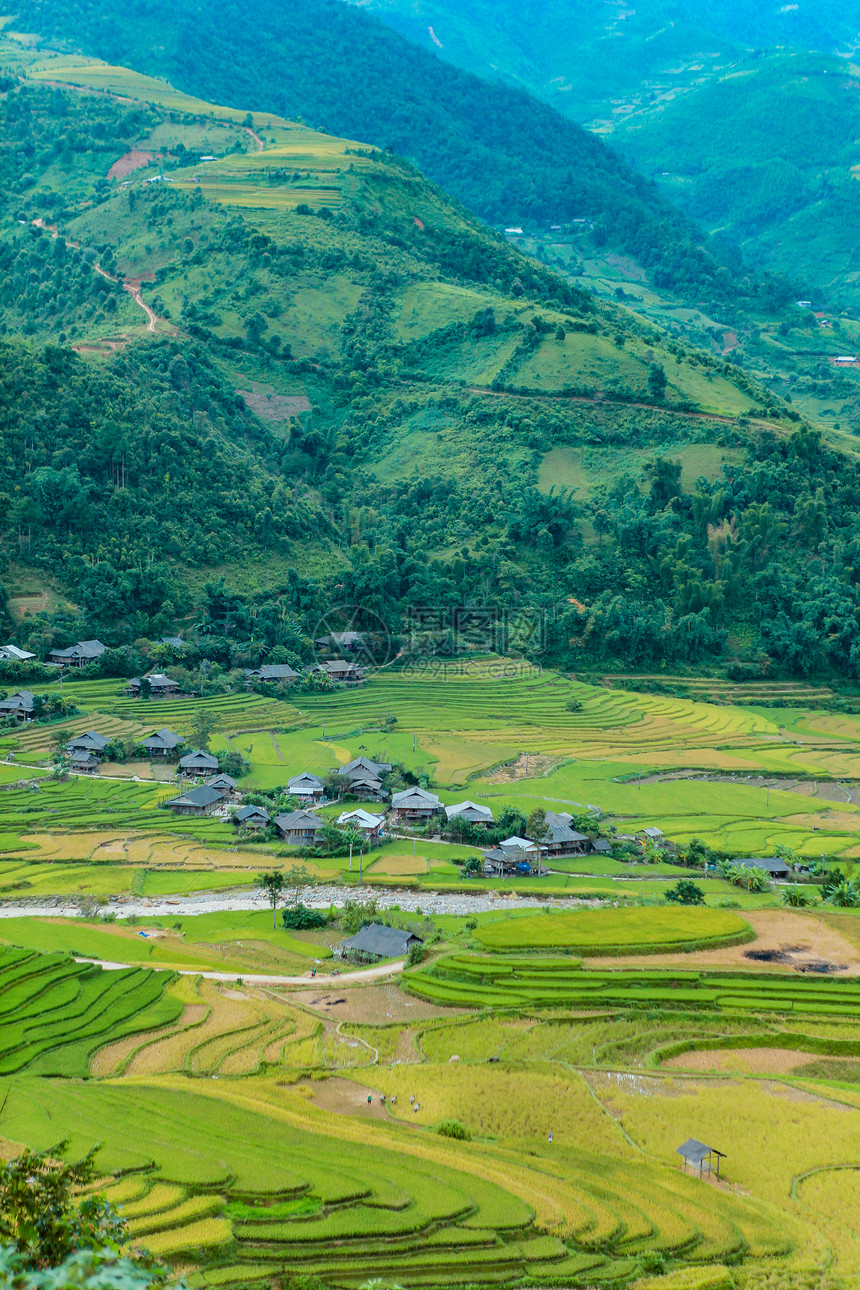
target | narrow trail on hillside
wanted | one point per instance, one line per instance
(259, 142)
(132, 286)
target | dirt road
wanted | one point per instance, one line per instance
(342, 978)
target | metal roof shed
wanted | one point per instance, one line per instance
(696, 1153)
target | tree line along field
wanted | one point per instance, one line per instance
(569, 1087)
(473, 732)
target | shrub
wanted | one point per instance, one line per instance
(415, 954)
(685, 892)
(298, 918)
(454, 1129)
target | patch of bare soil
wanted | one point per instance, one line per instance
(371, 1004)
(806, 938)
(345, 1097)
(276, 407)
(527, 765)
(748, 1061)
(132, 160)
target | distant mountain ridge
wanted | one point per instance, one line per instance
(505, 155)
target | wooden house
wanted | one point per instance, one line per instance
(77, 655)
(21, 706)
(377, 942)
(162, 743)
(202, 800)
(299, 828)
(307, 787)
(198, 762)
(414, 804)
(91, 743)
(252, 817)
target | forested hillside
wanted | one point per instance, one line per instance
(356, 395)
(505, 155)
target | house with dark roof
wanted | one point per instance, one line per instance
(774, 867)
(252, 817)
(272, 674)
(92, 742)
(601, 847)
(202, 800)
(414, 804)
(77, 655)
(378, 942)
(366, 766)
(198, 762)
(470, 812)
(563, 839)
(21, 706)
(83, 762)
(12, 654)
(299, 828)
(363, 783)
(502, 861)
(224, 784)
(340, 671)
(175, 642)
(160, 686)
(697, 1154)
(306, 787)
(341, 640)
(162, 743)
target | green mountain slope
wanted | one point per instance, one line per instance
(356, 395)
(505, 155)
(767, 152)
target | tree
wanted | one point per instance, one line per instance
(296, 877)
(39, 1212)
(202, 724)
(272, 883)
(685, 892)
(657, 382)
(84, 1270)
(537, 831)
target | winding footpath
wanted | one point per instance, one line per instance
(255, 978)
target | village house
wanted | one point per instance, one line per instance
(652, 835)
(378, 942)
(375, 768)
(299, 828)
(307, 787)
(502, 861)
(162, 743)
(252, 817)
(272, 674)
(91, 743)
(12, 654)
(370, 825)
(175, 642)
(516, 843)
(20, 706)
(196, 801)
(160, 686)
(362, 784)
(77, 655)
(774, 867)
(471, 813)
(83, 762)
(198, 762)
(414, 804)
(223, 784)
(340, 671)
(563, 839)
(350, 641)
(601, 847)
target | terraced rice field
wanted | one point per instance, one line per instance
(506, 981)
(616, 931)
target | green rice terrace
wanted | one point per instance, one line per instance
(497, 1118)
(507, 1109)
